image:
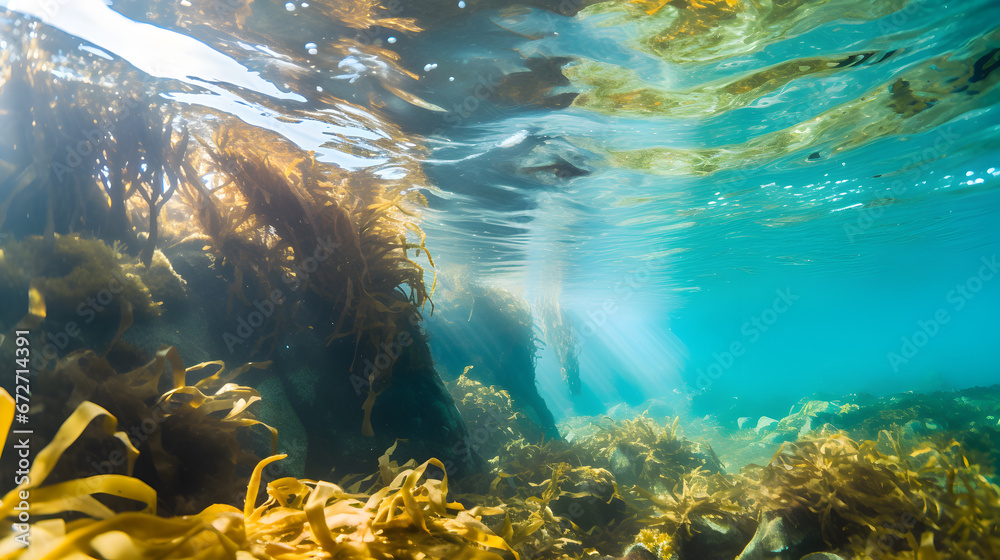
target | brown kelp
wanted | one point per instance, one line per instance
(823, 494)
(410, 517)
(492, 416)
(85, 159)
(854, 490)
(564, 500)
(694, 34)
(268, 211)
(274, 210)
(192, 423)
(645, 453)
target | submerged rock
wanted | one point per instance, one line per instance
(590, 499)
(714, 539)
(504, 359)
(780, 538)
(308, 389)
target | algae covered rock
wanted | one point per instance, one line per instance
(82, 279)
(645, 453)
(589, 498)
(161, 279)
(778, 538)
(504, 359)
(493, 418)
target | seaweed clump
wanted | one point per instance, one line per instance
(290, 222)
(410, 517)
(493, 418)
(643, 453)
(570, 499)
(192, 435)
(829, 494)
(79, 277)
(853, 492)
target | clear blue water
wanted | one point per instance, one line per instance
(688, 260)
(744, 252)
(686, 224)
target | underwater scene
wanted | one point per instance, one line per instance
(499, 280)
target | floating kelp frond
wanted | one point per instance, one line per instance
(289, 220)
(622, 91)
(653, 6)
(363, 14)
(86, 158)
(220, 12)
(700, 31)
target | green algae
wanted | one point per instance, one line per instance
(73, 270)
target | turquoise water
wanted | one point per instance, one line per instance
(647, 279)
(665, 262)
(871, 238)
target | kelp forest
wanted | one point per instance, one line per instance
(229, 360)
